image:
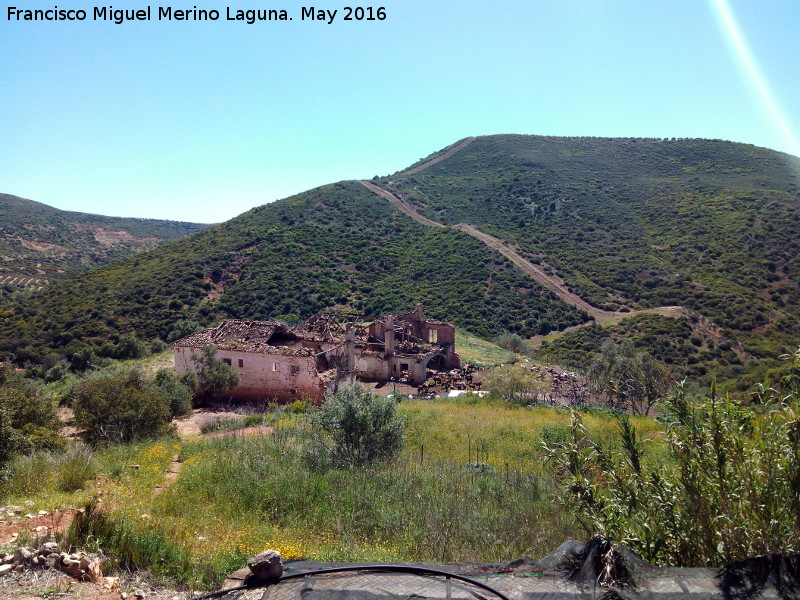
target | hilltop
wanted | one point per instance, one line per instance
(694, 241)
(40, 244)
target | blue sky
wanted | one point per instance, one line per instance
(201, 121)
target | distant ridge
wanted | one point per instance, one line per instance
(40, 244)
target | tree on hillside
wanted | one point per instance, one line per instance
(214, 376)
(628, 379)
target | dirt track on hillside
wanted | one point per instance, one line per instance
(551, 282)
(463, 144)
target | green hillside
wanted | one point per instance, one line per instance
(708, 228)
(40, 244)
(629, 224)
(335, 246)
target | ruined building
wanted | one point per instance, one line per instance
(324, 353)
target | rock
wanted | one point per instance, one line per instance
(48, 548)
(30, 516)
(71, 567)
(109, 583)
(23, 556)
(43, 513)
(53, 561)
(94, 571)
(266, 567)
(5, 569)
(138, 594)
(35, 561)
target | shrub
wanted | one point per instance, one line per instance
(7, 441)
(512, 342)
(75, 467)
(57, 372)
(214, 376)
(119, 406)
(516, 383)
(628, 379)
(130, 346)
(178, 395)
(182, 328)
(32, 416)
(355, 428)
(157, 346)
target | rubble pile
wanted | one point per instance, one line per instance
(443, 381)
(80, 566)
(566, 387)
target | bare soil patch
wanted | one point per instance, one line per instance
(39, 526)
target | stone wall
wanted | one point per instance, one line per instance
(266, 376)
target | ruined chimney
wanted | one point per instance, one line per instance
(350, 347)
(388, 335)
(418, 310)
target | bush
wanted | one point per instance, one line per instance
(130, 346)
(182, 328)
(517, 384)
(75, 467)
(31, 416)
(157, 346)
(355, 428)
(57, 372)
(7, 441)
(628, 379)
(512, 342)
(119, 406)
(730, 491)
(178, 395)
(214, 376)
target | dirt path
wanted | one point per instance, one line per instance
(551, 282)
(171, 476)
(401, 205)
(460, 146)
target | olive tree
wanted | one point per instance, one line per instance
(214, 376)
(355, 428)
(628, 379)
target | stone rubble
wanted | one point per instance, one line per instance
(80, 566)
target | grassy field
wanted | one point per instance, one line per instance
(479, 352)
(471, 484)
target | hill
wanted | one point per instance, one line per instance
(527, 234)
(338, 246)
(631, 224)
(40, 244)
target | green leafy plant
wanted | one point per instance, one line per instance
(214, 376)
(729, 490)
(355, 428)
(119, 406)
